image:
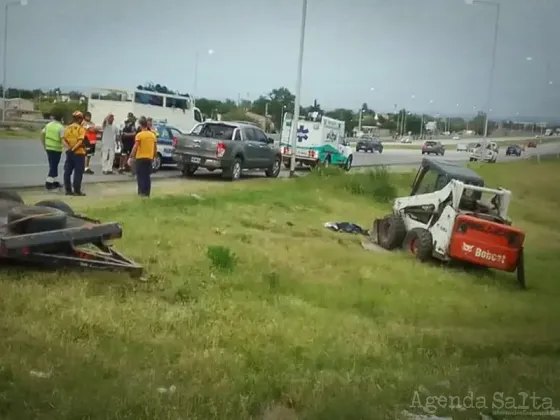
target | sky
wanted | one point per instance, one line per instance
(430, 56)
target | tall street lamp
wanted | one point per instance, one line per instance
(295, 118)
(5, 58)
(493, 68)
(195, 85)
(361, 113)
(422, 121)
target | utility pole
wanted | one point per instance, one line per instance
(295, 118)
(265, 118)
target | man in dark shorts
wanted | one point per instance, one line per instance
(127, 140)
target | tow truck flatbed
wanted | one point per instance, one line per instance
(81, 242)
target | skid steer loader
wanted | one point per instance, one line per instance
(446, 218)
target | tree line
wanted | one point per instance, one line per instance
(274, 104)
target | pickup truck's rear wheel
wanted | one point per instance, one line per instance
(233, 173)
(189, 170)
(274, 170)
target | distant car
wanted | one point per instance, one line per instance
(456, 138)
(369, 145)
(532, 144)
(462, 147)
(471, 147)
(479, 154)
(433, 147)
(406, 140)
(514, 150)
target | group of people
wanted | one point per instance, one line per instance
(78, 142)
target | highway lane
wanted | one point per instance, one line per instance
(25, 166)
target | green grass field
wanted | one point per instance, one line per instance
(251, 309)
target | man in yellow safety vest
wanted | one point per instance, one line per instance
(52, 139)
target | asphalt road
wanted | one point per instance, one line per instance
(23, 162)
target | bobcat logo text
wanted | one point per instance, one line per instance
(484, 254)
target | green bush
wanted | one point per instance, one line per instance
(376, 183)
(65, 109)
(221, 257)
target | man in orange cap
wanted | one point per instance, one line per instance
(74, 136)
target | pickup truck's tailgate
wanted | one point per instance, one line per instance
(197, 146)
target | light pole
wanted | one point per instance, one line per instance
(5, 58)
(493, 68)
(283, 111)
(361, 114)
(195, 81)
(295, 118)
(422, 121)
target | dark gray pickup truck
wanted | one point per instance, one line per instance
(227, 146)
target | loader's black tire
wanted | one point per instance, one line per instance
(34, 219)
(521, 270)
(391, 232)
(419, 242)
(57, 204)
(10, 196)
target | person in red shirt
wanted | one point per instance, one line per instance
(91, 137)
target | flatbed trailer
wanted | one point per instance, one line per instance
(50, 234)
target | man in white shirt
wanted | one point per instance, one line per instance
(108, 144)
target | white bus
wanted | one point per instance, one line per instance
(176, 110)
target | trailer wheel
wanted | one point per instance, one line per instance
(57, 204)
(521, 270)
(391, 232)
(419, 242)
(34, 219)
(10, 196)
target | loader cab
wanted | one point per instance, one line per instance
(433, 175)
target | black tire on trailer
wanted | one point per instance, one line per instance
(392, 232)
(34, 219)
(57, 204)
(521, 270)
(419, 242)
(10, 196)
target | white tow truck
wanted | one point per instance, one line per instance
(489, 155)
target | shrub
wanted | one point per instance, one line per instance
(375, 183)
(221, 257)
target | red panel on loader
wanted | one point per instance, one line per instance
(487, 243)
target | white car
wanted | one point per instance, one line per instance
(456, 138)
(462, 147)
(406, 140)
(491, 155)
